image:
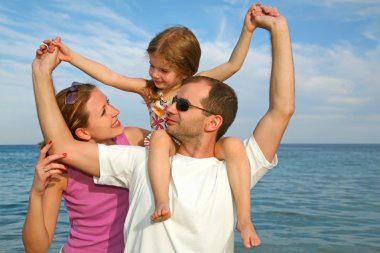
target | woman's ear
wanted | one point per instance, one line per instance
(82, 134)
(213, 123)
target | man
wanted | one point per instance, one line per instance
(201, 201)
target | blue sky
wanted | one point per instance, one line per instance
(336, 46)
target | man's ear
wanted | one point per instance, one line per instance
(82, 134)
(213, 123)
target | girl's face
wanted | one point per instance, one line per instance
(164, 75)
(103, 123)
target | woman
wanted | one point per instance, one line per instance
(96, 212)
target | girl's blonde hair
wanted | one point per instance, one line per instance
(179, 47)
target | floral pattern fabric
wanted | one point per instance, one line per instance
(158, 116)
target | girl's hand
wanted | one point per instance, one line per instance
(64, 52)
(252, 20)
(45, 168)
(249, 20)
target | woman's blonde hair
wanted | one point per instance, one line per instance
(75, 113)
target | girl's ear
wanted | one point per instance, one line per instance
(82, 134)
(213, 123)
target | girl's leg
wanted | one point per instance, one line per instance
(159, 173)
(233, 152)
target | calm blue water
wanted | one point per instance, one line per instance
(321, 198)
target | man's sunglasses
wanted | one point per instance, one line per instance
(183, 105)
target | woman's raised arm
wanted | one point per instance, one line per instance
(82, 155)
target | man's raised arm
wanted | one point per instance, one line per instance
(81, 155)
(269, 131)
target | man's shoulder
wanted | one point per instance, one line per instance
(185, 164)
(183, 159)
(124, 152)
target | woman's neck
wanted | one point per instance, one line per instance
(105, 142)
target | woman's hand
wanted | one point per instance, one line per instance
(45, 168)
(46, 59)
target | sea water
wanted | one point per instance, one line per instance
(320, 198)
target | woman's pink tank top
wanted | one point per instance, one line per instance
(96, 212)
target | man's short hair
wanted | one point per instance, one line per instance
(221, 100)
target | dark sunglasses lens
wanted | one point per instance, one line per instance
(182, 105)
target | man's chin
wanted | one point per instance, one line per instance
(169, 130)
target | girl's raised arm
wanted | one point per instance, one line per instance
(97, 70)
(227, 69)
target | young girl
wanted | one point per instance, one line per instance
(96, 212)
(174, 55)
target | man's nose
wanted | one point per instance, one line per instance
(171, 108)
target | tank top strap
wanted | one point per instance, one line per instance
(121, 139)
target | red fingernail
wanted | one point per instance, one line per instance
(50, 142)
(64, 154)
(66, 167)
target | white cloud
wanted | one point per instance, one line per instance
(97, 11)
(345, 11)
(345, 3)
(338, 74)
(332, 84)
(336, 85)
(372, 33)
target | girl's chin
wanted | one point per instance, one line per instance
(159, 85)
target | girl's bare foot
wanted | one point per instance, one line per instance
(161, 213)
(248, 234)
